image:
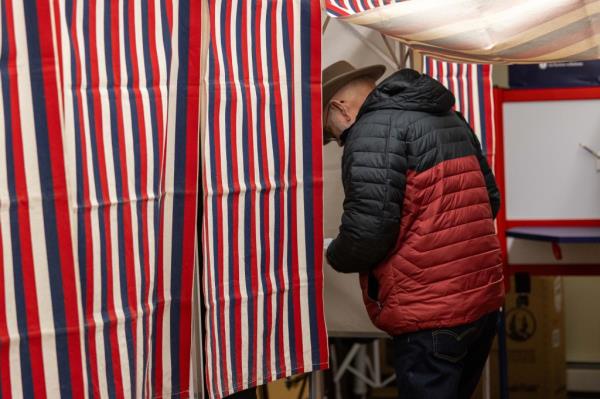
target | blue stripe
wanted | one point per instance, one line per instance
(179, 191)
(21, 311)
(135, 133)
(229, 211)
(82, 207)
(102, 228)
(310, 225)
(248, 212)
(277, 234)
(426, 69)
(291, 246)
(48, 203)
(480, 86)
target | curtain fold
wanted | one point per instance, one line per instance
(263, 203)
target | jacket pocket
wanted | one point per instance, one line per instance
(373, 289)
(452, 344)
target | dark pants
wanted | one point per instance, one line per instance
(443, 364)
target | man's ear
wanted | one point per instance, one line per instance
(343, 107)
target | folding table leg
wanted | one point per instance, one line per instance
(502, 355)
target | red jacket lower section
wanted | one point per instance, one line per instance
(446, 269)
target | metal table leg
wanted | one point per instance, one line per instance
(502, 356)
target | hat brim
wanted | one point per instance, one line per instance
(331, 87)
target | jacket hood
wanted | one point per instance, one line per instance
(409, 90)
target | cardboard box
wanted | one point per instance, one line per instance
(535, 342)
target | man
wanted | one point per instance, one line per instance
(418, 224)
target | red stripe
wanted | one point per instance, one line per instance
(553, 223)
(275, 79)
(219, 216)
(27, 267)
(94, 82)
(463, 86)
(578, 93)
(297, 346)
(235, 306)
(337, 10)
(268, 290)
(169, 7)
(89, 300)
(315, 69)
(252, 193)
(500, 180)
(191, 183)
(5, 383)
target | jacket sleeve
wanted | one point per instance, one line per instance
(374, 176)
(490, 180)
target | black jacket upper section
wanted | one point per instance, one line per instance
(406, 123)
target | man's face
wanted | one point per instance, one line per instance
(336, 119)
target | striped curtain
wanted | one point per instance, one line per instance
(344, 8)
(483, 31)
(262, 182)
(472, 87)
(99, 119)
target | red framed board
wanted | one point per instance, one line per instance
(555, 230)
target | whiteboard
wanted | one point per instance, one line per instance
(548, 176)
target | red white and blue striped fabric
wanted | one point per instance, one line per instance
(99, 145)
(344, 8)
(472, 87)
(262, 184)
(483, 31)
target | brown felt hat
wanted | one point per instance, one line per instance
(338, 74)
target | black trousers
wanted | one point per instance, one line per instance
(443, 364)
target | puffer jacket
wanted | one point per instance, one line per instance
(419, 209)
